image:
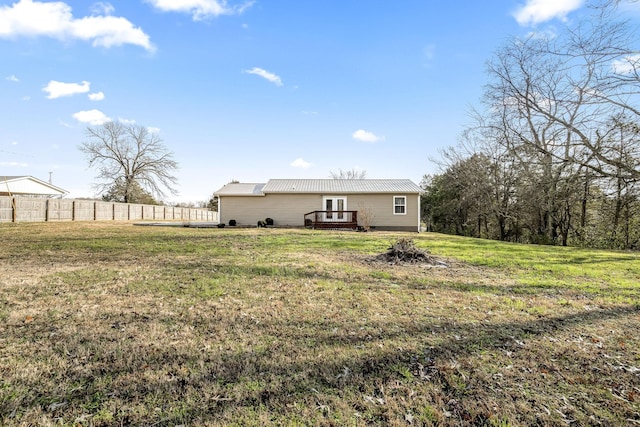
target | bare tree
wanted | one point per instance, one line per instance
(554, 155)
(565, 94)
(498, 174)
(565, 108)
(129, 156)
(350, 174)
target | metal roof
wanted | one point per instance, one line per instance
(240, 189)
(341, 186)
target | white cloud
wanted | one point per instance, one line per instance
(536, 11)
(127, 121)
(92, 117)
(366, 136)
(549, 33)
(153, 129)
(97, 96)
(54, 19)
(13, 78)
(300, 163)
(108, 31)
(265, 75)
(200, 9)
(627, 65)
(102, 8)
(14, 164)
(57, 89)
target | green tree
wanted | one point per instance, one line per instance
(212, 204)
(118, 193)
(458, 200)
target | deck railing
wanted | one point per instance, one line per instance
(331, 219)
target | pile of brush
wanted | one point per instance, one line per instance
(405, 251)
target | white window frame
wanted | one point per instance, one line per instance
(338, 217)
(404, 205)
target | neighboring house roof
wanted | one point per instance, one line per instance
(28, 185)
(323, 186)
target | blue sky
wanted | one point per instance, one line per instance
(251, 90)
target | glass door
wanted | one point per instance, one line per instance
(335, 207)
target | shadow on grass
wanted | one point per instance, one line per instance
(367, 370)
(295, 363)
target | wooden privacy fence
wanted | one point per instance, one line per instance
(31, 209)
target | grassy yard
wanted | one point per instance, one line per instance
(113, 324)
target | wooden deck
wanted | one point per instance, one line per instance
(331, 220)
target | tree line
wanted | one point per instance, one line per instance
(552, 154)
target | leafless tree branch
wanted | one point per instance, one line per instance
(130, 155)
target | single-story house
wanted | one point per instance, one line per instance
(382, 204)
(28, 186)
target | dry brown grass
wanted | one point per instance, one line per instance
(111, 324)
